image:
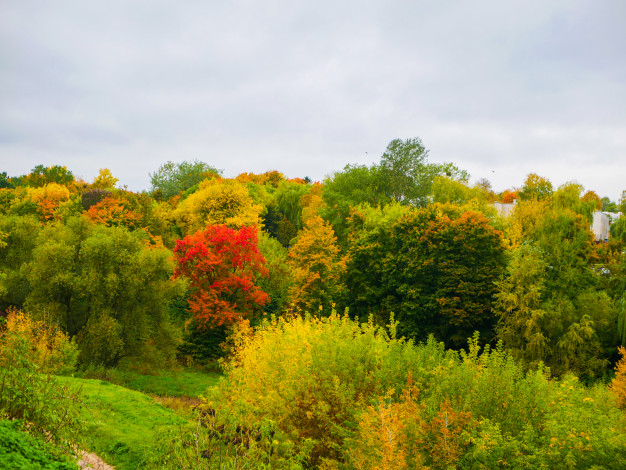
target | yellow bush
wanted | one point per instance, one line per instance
(310, 376)
(52, 351)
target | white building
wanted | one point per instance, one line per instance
(600, 226)
(504, 210)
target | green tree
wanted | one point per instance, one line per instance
(280, 280)
(608, 205)
(85, 275)
(518, 306)
(405, 175)
(368, 246)
(540, 321)
(288, 197)
(41, 175)
(447, 190)
(174, 178)
(434, 268)
(354, 185)
(536, 188)
(5, 181)
(21, 234)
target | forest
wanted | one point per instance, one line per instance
(387, 317)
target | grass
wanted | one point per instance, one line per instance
(177, 383)
(124, 427)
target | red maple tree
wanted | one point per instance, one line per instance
(222, 265)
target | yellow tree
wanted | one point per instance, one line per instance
(318, 267)
(311, 202)
(217, 201)
(104, 180)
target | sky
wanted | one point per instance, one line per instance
(502, 89)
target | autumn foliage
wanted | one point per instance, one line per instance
(619, 382)
(113, 212)
(222, 265)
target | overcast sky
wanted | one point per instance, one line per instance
(501, 88)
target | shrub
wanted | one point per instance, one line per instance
(100, 341)
(353, 395)
(49, 408)
(313, 375)
(52, 351)
(19, 450)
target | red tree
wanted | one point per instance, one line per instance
(222, 264)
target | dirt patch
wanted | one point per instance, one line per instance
(91, 461)
(178, 403)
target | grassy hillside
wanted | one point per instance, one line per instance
(123, 426)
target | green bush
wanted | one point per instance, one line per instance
(49, 408)
(100, 341)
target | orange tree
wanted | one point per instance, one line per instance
(113, 212)
(222, 265)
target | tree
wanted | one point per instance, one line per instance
(174, 178)
(83, 275)
(518, 306)
(217, 202)
(405, 174)
(222, 265)
(433, 268)
(5, 181)
(446, 190)
(104, 180)
(41, 175)
(48, 198)
(272, 178)
(608, 205)
(548, 306)
(354, 185)
(114, 212)
(591, 196)
(368, 245)
(288, 197)
(536, 188)
(318, 267)
(618, 385)
(20, 239)
(279, 281)
(447, 262)
(508, 196)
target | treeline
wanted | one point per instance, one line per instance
(163, 275)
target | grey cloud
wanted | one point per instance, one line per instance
(306, 88)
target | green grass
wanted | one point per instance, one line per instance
(177, 383)
(123, 426)
(171, 383)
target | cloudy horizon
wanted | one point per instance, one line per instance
(502, 89)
